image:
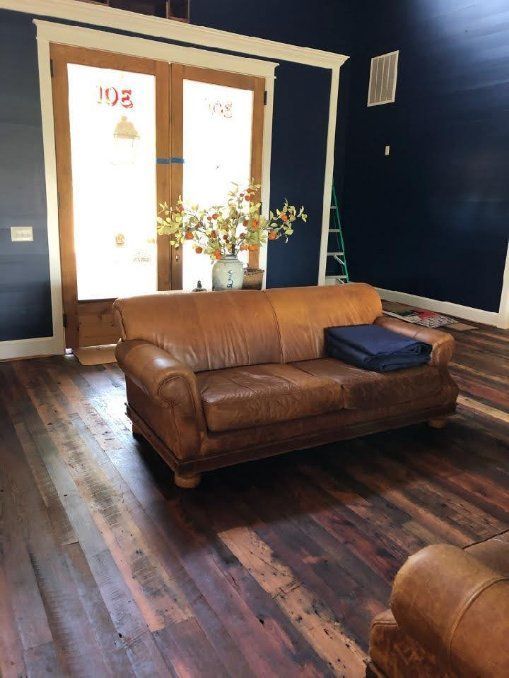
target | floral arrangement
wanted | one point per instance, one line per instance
(221, 230)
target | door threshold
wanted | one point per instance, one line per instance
(96, 355)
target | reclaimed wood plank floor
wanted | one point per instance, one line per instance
(269, 569)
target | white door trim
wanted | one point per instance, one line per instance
(504, 299)
(155, 27)
(91, 38)
(329, 174)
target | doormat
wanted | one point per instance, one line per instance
(418, 316)
(96, 355)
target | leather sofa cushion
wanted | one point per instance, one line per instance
(204, 331)
(303, 314)
(225, 329)
(243, 397)
(365, 390)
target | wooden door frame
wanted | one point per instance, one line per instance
(179, 73)
(51, 32)
(61, 56)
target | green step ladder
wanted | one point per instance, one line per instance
(338, 254)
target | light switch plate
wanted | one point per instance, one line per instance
(387, 151)
(22, 234)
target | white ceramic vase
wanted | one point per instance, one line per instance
(227, 273)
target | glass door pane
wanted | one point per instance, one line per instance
(217, 141)
(112, 115)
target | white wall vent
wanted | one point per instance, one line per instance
(383, 78)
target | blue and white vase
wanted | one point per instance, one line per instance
(227, 273)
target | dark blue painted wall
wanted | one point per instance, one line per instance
(300, 114)
(432, 219)
(299, 142)
(25, 304)
(327, 25)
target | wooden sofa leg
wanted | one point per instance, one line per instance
(136, 431)
(372, 671)
(439, 422)
(188, 481)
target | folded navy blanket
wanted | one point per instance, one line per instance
(375, 348)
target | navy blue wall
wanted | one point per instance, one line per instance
(299, 143)
(300, 114)
(433, 218)
(328, 25)
(25, 303)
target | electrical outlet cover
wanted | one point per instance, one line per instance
(22, 234)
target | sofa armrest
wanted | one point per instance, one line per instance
(442, 342)
(171, 384)
(159, 376)
(456, 608)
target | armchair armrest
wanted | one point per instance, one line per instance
(443, 343)
(169, 383)
(456, 608)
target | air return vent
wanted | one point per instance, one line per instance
(383, 78)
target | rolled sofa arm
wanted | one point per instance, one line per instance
(456, 608)
(169, 383)
(443, 343)
(160, 376)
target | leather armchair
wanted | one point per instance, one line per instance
(449, 615)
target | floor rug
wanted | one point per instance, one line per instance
(96, 355)
(418, 316)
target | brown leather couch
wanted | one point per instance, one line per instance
(223, 377)
(449, 615)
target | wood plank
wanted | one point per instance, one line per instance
(126, 617)
(325, 571)
(11, 649)
(315, 622)
(214, 628)
(237, 598)
(48, 601)
(156, 594)
(96, 323)
(112, 645)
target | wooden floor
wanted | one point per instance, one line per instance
(273, 568)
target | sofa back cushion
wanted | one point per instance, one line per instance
(303, 313)
(215, 330)
(206, 331)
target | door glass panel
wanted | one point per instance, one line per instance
(112, 118)
(217, 151)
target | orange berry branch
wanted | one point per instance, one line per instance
(227, 229)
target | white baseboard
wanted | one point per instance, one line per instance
(446, 307)
(29, 348)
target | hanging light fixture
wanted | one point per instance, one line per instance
(125, 143)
